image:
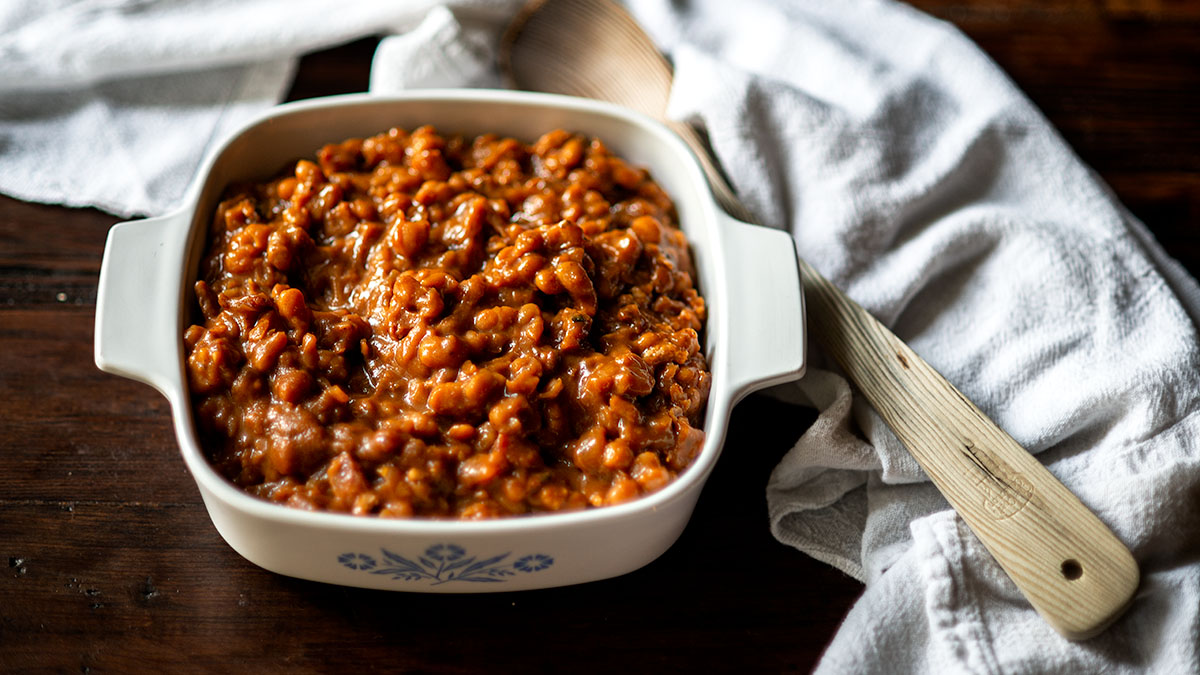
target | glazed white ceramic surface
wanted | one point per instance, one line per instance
(754, 337)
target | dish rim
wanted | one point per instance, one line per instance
(718, 407)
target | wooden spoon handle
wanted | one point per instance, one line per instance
(1072, 568)
(1069, 565)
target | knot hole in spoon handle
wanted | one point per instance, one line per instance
(1071, 569)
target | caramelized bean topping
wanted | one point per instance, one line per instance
(443, 326)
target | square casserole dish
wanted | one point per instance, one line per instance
(754, 337)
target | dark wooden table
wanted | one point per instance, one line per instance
(112, 563)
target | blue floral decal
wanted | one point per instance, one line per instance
(443, 563)
(356, 561)
(446, 552)
(534, 563)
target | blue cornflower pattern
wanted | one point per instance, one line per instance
(446, 552)
(534, 563)
(443, 563)
(357, 561)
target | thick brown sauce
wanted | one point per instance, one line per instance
(419, 325)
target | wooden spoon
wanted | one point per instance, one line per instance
(1069, 565)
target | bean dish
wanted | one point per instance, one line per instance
(426, 325)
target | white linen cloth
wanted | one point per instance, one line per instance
(911, 172)
(112, 103)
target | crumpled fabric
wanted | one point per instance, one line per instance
(911, 172)
(119, 115)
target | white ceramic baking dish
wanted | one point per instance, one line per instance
(755, 337)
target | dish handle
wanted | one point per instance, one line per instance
(137, 304)
(765, 302)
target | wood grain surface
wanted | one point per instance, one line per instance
(111, 564)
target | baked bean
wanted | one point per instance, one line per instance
(421, 325)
